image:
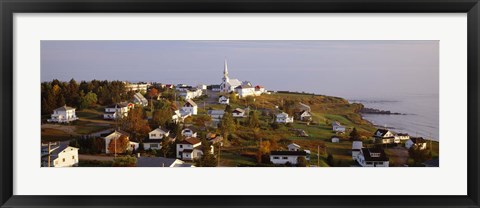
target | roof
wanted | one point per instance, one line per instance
(64, 108)
(216, 112)
(239, 110)
(191, 140)
(402, 134)
(368, 151)
(112, 132)
(258, 86)
(234, 82)
(190, 103)
(282, 114)
(155, 162)
(162, 130)
(382, 132)
(417, 140)
(291, 153)
(138, 96)
(243, 87)
(293, 144)
(336, 123)
(118, 105)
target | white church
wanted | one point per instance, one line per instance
(228, 85)
(243, 89)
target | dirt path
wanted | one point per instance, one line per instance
(65, 128)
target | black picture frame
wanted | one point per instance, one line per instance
(10, 7)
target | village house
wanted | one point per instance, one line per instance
(155, 137)
(284, 157)
(244, 91)
(335, 139)
(201, 86)
(337, 127)
(223, 100)
(59, 155)
(228, 85)
(215, 88)
(137, 87)
(191, 93)
(239, 113)
(384, 136)
(188, 133)
(116, 135)
(216, 115)
(190, 107)
(179, 116)
(214, 138)
(304, 115)
(401, 137)
(283, 118)
(118, 110)
(139, 99)
(161, 162)
(372, 157)
(416, 142)
(63, 114)
(259, 90)
(190, 149)
(356, 147)
(293, 147)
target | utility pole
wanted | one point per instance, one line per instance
(318, 156)
(48, 154)
(218, 156)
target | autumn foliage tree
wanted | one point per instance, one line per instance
(136, 123)
(118, 145)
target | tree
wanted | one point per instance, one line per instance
(302, 162)
(227, 124)
(418, 156)
(161, 117)
(354, 135)
(207, 159)
(253, 121)
(89, 100)
(136, 124)
(263, 149)
(127, 161)
(118, 145)
(165, 146)
(153, 92)
(330, 161)
(202, 120)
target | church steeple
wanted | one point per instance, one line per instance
(225, 69)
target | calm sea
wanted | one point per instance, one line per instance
(421, 119)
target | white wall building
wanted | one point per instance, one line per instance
(238, 113)
(112, 136)
(139, 99)
(337, 127)
(161, 162)
(188, 133)
(283, 157)
(384, 136)
(244, 91)
(118, 110)
(416, 142)
(223, 100)
(63, 114)
(61, 155)
(190, 107)
(372, 157)
(335, 140)
(190, 149)
(356, 147)
(283, 118)
(293, 147)
(228, 85)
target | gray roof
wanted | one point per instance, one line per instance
(64, 108)
(190, 102)
(155, 162)
(139, 97)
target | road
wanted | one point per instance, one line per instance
(95, 157)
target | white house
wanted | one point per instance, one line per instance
(190, 107)
(244, 91)
(260, 90)
(113, 136)
(140, 100)
(137, 87)
(416, 142)
(238, 113)
(223, 100)
(190, 149)
(384, 136)
(335, 139)
(63, 114)
(188, 133)
(283, 157)
(293, 147)
(304, 115)
(283, 118)
(61, 155)
(356, 147)
(155, 137)
(201, 86)
(180, 115)
(161, 162)
(372, 157)
(402, 137)
(118, 110)
(337, 127)
(228, 85)
(214, 138)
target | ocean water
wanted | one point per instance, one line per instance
(421, 114)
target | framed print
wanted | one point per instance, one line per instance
(246, 104)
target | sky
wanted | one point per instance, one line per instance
(350, 69)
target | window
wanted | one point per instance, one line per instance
(153, 135)
(153, 145)
(181, 146)
(73, 157)
(285, 158)
(276, 158)
(63, 159)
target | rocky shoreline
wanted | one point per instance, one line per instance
(378, 111)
